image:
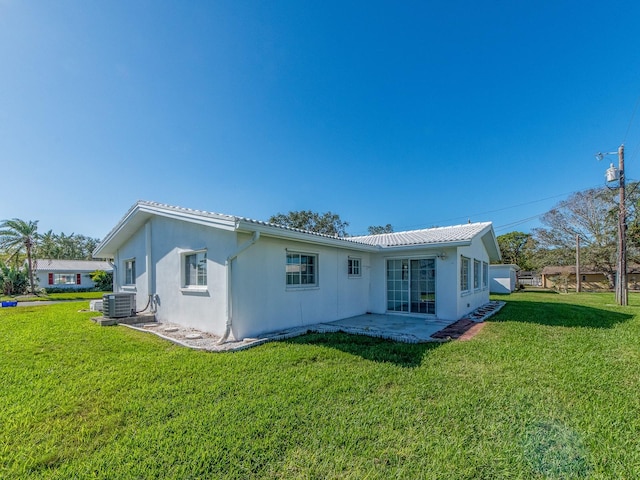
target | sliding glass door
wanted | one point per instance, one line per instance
(411, 285)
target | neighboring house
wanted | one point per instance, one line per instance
(564, 278)
(70, 274)
(503, 278)
(225, 274)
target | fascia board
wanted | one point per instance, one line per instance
(102, 250)
(141, 213)
(491, 244)
(208, 220)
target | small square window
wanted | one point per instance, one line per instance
(301, 269)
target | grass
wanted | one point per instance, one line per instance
(548, 389)
(55, 296)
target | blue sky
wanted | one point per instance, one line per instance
(410, 113)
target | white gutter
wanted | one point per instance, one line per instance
(228, 264)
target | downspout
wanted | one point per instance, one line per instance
(149, 260)
(227, 264)
(114, 275)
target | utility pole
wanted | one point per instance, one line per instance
(578, 279)
(622, 287)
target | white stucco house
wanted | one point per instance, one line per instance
(235, 276)
(503, 278)
(68, 274)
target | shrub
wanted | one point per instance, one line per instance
(103, 280)
(13, 281)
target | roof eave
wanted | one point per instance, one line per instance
(426, 246)
(142, 211)
(300, 236)
(488, 236)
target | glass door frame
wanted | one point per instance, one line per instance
(402, 291)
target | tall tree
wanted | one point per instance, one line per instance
(18, 236)
(516, 248)
(327, 223)
(48, 246)
(379, 229)
(593, 215)
(66, 247)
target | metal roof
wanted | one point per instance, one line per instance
(427, 236)
(54, 265)
(141, 211)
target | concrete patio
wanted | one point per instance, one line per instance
(400, 328)
(394, 327)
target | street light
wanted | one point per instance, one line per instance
(613, 175)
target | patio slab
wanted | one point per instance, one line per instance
(400, 328)
(394, 327)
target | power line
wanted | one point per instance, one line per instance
(518, 222)
(512, 224)
(635, 109)
(464, 217)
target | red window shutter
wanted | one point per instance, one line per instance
(78, 279)
(51, 279)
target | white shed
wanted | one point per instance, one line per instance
(504, 278)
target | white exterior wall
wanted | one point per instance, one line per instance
(262, 302)
(446, 305)
(170, 240)
(474, 298)
(133, 249)
(448, 286)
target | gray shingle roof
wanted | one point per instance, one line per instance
(53, 265)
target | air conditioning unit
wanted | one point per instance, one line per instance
(119, 305)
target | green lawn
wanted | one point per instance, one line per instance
(550, 388)
(55, 296)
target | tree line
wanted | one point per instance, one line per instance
(20, 242)
(591, 215)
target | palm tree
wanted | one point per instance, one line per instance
(48, 246)
(17, 235)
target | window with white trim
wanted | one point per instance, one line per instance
(130, 271)
(354, 267)
(464, 274)
(64, 278)
(476, 273)
(195, 269)
(302, 269)
(485, 274)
